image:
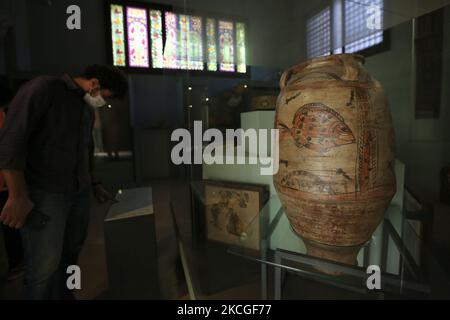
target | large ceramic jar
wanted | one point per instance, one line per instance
(336, 173)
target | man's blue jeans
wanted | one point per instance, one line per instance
(50, 250)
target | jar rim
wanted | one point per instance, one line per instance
(299, 67)
(355, 56)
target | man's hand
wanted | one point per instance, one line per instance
(102, 195)
(19, 205)
(15, 211)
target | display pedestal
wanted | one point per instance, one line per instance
(130, 243)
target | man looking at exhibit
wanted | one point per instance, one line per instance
(46, 160)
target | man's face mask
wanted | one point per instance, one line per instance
(95, 102)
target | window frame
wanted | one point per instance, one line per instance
(381, 47)
(177, 10)
(316, 13)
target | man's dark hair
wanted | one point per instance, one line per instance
(6, 93)
(109, 77)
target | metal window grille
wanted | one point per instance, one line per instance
(363, 24)
(319, 34)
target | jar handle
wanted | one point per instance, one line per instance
(285, 77)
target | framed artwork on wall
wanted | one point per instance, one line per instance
(231, 213)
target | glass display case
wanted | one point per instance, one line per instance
(277, 265)
(385, 253)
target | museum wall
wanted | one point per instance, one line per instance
(55, 49)
(422, 144)
(14, 37)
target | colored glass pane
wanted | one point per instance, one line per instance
(171, 60)
(157, 38)
(226, 46)
(182, 44)
(240, 48)
(211, 44)
(195, 44)
(117, 35)
(137, 37)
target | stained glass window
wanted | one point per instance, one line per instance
(211, 44)
(240, 48)
(148, 37)
(117, 35)
(157, 38)
(226, 45)
(137, 37)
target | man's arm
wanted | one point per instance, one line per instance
(18, 206)
(25, 113)
(24, 116)
(16, 182)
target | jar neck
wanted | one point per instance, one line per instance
(341, 67)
